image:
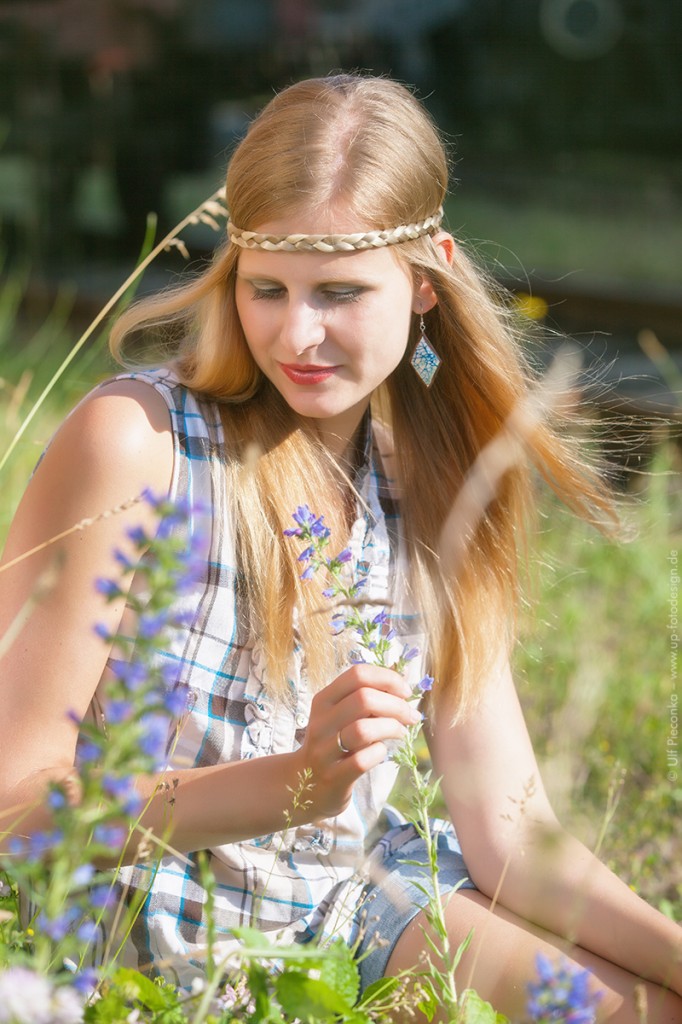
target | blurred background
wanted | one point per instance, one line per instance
(113, 108)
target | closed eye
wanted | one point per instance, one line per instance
(342, 294)
(266, 293)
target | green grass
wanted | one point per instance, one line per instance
(30, 353)
(537, 236)
(594, 676)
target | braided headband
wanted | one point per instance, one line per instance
(334, 243)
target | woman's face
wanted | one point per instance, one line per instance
(326, 329)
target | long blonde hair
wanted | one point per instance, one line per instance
(368, 144)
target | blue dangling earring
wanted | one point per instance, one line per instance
(425, 360)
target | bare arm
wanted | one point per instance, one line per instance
(515, 847)
(112, 447)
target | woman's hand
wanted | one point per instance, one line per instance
(361, 710)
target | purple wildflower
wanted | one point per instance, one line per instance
(306, 554)
(123, 559)
(87, 931)
(150, 626)
(169, 673)
(153, 740)
(122, 788)
(380, 619)
(330, 592)
(85, 981)
(56, 799)
(319, 530)
(183, 618)
(308, 573)
(111, 836)
(56, 928)
(409, 653)
(103, 632)
(87, 751)
(344, 556)
(16, 846)
(561, 994)
(425, 684)
(40, 843)
(109, 588)
(175, 700)
(132, 673)
(83, 875)
(303, 516)
(194, 570)
(103, 897)
(138, 536)
(119, 711)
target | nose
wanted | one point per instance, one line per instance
(302, 327)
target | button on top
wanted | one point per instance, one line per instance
(301, 721)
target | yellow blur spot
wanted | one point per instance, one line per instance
(531, 306)
(29, 931)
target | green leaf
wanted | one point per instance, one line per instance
(339, 970)
(253, 937)
(378, 990)
(309, 999)
(474, 1010)
(428, 1004)
(258, 987)
(110, 1009)
(134, 985)
(462, 948)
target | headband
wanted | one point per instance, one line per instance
(334, 243)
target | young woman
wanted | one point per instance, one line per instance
(299, 370)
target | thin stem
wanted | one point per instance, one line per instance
(168, 240)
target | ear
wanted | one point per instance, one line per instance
(425, 297)
(445, 246)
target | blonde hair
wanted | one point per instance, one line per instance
(367, 145)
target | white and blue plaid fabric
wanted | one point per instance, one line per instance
(307, 880)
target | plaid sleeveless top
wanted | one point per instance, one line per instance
(291, 884)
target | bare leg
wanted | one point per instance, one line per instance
(501, 961)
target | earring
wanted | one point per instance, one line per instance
(425, 360)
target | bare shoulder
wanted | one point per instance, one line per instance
(112, 446)
(123, 425)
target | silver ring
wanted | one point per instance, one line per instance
(344, 750)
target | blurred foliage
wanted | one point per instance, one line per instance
(594, 676)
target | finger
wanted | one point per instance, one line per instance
(362, 761)
(368, 703)
(369, 731)
(363, 675)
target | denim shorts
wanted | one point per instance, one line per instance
(394, 897)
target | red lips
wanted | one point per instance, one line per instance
(308, 374)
